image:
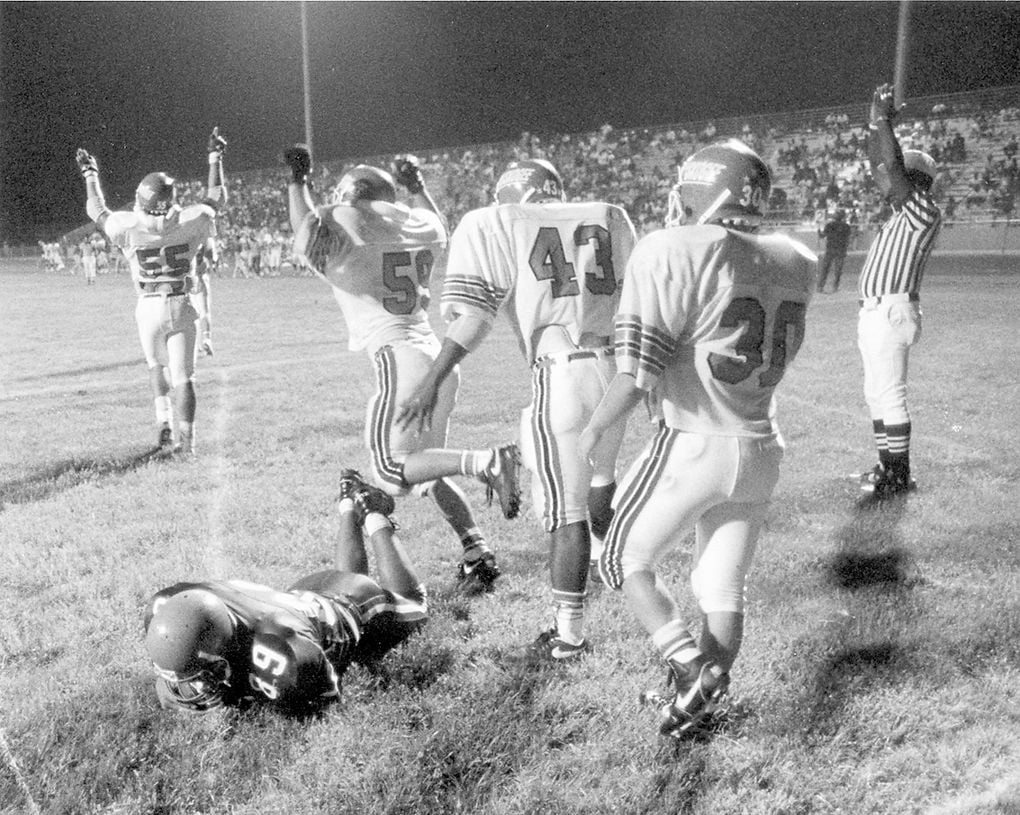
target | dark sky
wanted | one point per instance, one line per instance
(141, 84)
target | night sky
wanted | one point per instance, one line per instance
(140, 85)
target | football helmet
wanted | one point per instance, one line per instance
(187, 637)
(156, 194)
(920, 168)
(365, 183)
(529, 181)
(727, 181)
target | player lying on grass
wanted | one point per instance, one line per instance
(230, 642)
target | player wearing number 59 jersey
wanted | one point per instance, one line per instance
(160, 239)
(711, 314)
(554, 269)
(223, 642)
(377, 255)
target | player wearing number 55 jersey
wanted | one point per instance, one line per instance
(711, 314)
(553, 268)
(223, 642)
(160, 239)
(377, 255)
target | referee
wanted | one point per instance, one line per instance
(889, 291)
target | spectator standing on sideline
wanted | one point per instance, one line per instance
(230, 642)
(556, 267)
(160, 240)
(711, 315)
(377, 256)
(889, 287)
(836, 234)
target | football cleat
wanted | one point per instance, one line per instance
(165, 439)
(696, 692)
(366, 498)
(881, 483)
(503, 477)
(549, 649)
(478, 576)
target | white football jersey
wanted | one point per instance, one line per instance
(709, 319)
(378, 257)
(551, 263)
(162, 254)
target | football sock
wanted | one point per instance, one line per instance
(675, 643)
(569, 614)
(881, 441)
(345, 505)
(898, 436)
(474, 462)
(164, 411)
(375, 521)
(471, 538)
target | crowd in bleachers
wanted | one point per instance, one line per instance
(819, 164)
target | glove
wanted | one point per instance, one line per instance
(407, 172)
(299, 159)
(205, 347)
(86, 162)
(883, 105)
(217, 144)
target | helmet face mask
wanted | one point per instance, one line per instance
(186, 640)
(529, 181)
(364, 183)
(722, 182)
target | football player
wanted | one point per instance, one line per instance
(889, 288)
(160, 240)
(712, 312)
(227, 642)
(556, 268)
(377, 255)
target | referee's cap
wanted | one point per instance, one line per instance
(920, 161)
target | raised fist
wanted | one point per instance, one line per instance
(217, 144)
(407, 172)
(299, 159)
(86, 162)
(883, 105)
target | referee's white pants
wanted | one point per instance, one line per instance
(884, 335)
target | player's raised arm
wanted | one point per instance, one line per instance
(299, 194)
(407, 173)
(96, 203)
(884, 151)
(216, 187)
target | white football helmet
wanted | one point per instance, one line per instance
(156, 194)
(365, 183)
(727, 181)
(920, 168)
(529, 181)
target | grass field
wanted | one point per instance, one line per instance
(881, 669)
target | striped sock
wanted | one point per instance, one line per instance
(675, 642)
(568, 609)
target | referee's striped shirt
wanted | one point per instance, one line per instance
(895, 262)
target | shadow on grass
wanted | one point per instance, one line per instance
(869, 548)
(71, 473)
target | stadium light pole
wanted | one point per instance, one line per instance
(902, 41)
(306, 74)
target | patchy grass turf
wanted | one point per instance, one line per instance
(879, 675)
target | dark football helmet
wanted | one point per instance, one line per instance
(727, 181)
(187, 637)
(156, 194)
(365, 183)
(529, 181)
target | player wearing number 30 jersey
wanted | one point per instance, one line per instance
(377, 255)
(711, 314)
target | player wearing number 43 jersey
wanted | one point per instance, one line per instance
(224, 642)
(553, 267)
(711, 314)
(160, 239)
(377, 255)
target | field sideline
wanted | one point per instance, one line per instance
(881, 668)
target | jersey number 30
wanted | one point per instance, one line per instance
(783, 344)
